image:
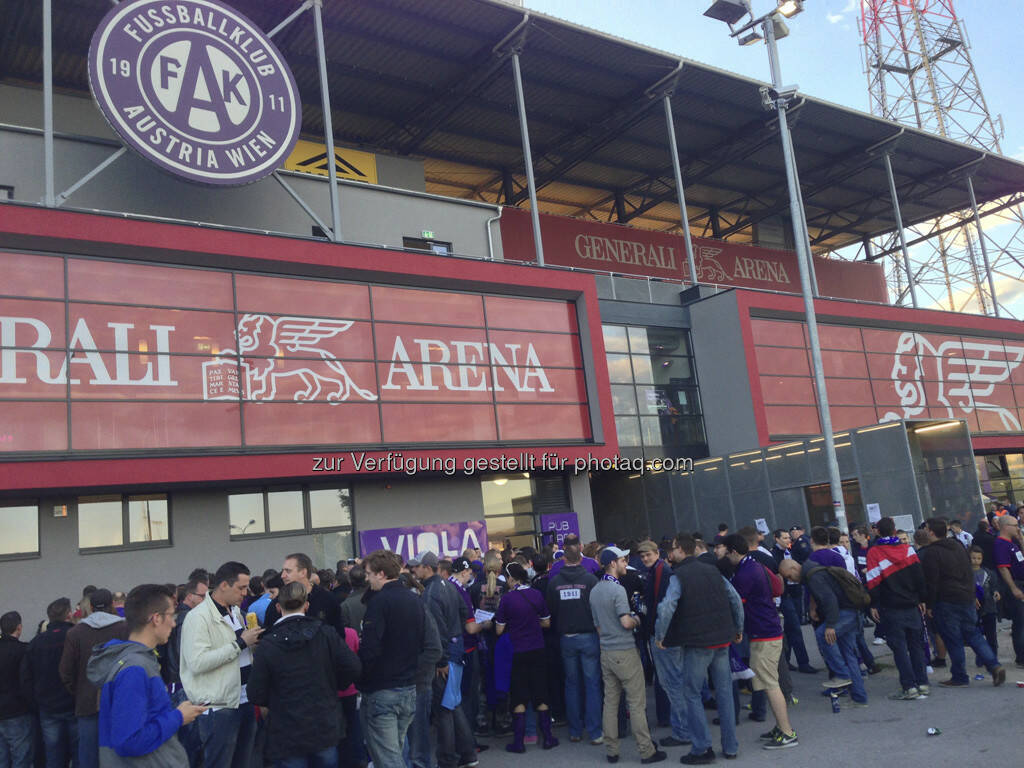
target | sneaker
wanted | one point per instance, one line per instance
(597, 741)
(470, 764)
(807, 669)
(998, 676)
(878, 641)
(657, 757)
(782, 741)
(672, 741)
(923, 690)
(728, 756)
(951, 683)
(928, 670)
(794, 700)
(770, 734)
(612, 758)
(837, 683)
(858, 704)
(905, 695)
(704, 758)
(575, 739)
(938, 663)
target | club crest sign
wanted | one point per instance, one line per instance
(196, 88)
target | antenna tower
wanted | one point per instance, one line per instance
(920, 74)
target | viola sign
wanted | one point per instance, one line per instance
(446, 540)
(196, 88)
(144, 356)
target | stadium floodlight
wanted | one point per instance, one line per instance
(729, 11)
(790, 8)
(780, 28)
(750, 38)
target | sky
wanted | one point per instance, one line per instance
(822, 54)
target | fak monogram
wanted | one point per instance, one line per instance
(196, 88)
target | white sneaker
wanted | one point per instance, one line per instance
(878, 641)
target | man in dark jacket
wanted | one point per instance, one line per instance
(699, 617)
(950, 599)
(837, 627)
(568, 598)
(40, 674)
(393, 637)
(322, 604)
(15, 712)
(170, 663)
(791, 605)
(897, 587)
(300, 667)
(101, 625)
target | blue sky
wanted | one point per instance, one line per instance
(822, 52)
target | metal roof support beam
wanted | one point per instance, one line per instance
(899, 227)
(48, 193)
(325, 102)
(984, 250)
(670, 126)
(302, 204)
(531, 184)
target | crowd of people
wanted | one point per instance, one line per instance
(419, 664)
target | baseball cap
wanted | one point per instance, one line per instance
(609, 554)
(101, 599)
(428, 559)
(796, 527)
(460, 564)
(647, 546)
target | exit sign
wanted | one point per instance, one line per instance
(427, 234)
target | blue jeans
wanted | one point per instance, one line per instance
(386, 718)
(228, 736)
(842, 656)
(670, 666)
(60, 738)
(326, 758)
(697, 662)
(16, 742)
(188, 735)
(352, 749)
(89, 741)
(581, 659)
(958, 626)
(903, 632)
(791, 605)
(421, 743)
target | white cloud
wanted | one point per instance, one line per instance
(834, 18)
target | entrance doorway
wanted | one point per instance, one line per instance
(819, 503)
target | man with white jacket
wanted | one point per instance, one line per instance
(216, 657)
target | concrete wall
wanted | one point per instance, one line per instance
(722, 372)
(374, 214)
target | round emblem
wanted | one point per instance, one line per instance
(196, 88)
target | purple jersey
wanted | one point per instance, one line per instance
(1007, 554)
(521, 611)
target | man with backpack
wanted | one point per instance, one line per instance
(836, 598)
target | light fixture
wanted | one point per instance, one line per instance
(780, 28)
(500, 480)
(750, 38)
(729, 11)
(790, 8)
(933, 427)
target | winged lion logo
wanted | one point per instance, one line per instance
(709, 268)
(263, 348)
(967, 373)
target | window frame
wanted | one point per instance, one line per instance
(39, 546)
(307, 526)
(126, 545)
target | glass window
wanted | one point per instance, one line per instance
(650, 430)
(622, 399)
(667, 341)
(147, 518)
(638, 341)
(628, 429)
(19, 529)
(642, 369)
(100, 522)
(285, 510)
(619, 370)
(508, 508)
(245, 513)
(330, 508)
(614, 338)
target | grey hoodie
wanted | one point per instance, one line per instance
(138, 724)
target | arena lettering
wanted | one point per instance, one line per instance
(35, 336)
(466, 371)
(760, 269)
(625, 252)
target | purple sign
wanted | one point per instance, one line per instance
(196, 88)
(443, 539)
(558, 526)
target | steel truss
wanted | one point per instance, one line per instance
(918, 64)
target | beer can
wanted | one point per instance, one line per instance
(251, 620)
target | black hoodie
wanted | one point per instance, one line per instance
(947, 573)
(568, 598)
(300, 666)
(40, 671)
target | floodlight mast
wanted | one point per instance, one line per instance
(778, 97)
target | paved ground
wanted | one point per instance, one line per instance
(980, 725)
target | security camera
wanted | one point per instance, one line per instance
(770, 97)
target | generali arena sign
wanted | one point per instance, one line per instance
(196, 88)
(614, 248)
(147, 357)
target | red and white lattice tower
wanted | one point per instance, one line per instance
(918, 63)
